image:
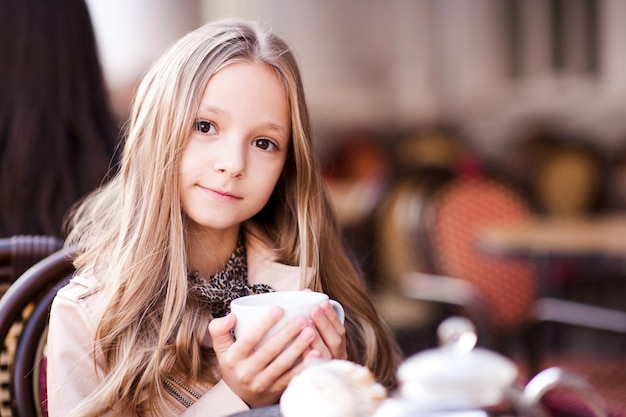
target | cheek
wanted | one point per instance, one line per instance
(268, 180)
(188, 162)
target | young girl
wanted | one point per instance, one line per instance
(218, 195)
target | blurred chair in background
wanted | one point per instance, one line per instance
(18, 253)
(23, 328)
(561, 173)
(402, 245)
(403, 241)
(57, 134)
(423, 161)
(564, 175)
(569, 182)
(508, 285)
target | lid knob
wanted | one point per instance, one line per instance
(457, 334)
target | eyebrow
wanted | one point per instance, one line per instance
(277, 128)
(213, 109)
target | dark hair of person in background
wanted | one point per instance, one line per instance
(57, 131)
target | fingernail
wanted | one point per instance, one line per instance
(307, 334)
(315, 311)
(314, 354)
(301, 321)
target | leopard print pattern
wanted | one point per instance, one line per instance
(222, 288)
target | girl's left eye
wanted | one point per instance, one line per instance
(265, 144)
(203, 126)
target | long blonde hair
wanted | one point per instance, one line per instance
(133, 230)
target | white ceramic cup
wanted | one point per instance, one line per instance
(251, 309)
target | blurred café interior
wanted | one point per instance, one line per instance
(475, 151)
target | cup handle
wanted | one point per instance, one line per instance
(338, 310)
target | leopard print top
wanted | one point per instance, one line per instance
(221, 288)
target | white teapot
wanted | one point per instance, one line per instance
(462, 379)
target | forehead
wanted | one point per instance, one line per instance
(247, 72)
(250, 90)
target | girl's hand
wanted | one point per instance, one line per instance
(259, 377)
(330, 340)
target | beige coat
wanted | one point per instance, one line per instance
(73, 320)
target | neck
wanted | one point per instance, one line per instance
(209, 250)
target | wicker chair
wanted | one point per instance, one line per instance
(27, 303)
(18, 253)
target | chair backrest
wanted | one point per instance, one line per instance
(569, 182)
(460, 211)
(23, 321)
(20, 252)
(403, 244)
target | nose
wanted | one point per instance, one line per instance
(230, 159)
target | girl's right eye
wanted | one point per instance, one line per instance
(203, 126)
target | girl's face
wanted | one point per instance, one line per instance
(237, 148)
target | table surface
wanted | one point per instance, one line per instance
(584, 236)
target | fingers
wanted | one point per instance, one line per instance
(285, 347)
(260, 375)
(331, 342)
(331, 315)
(253, 336)
(286, 362)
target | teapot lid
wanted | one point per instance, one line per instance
(457, 375)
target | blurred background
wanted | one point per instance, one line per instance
(489, 66)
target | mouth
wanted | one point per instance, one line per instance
(220, 193)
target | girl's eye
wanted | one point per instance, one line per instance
(265, 144)
(203, 126)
